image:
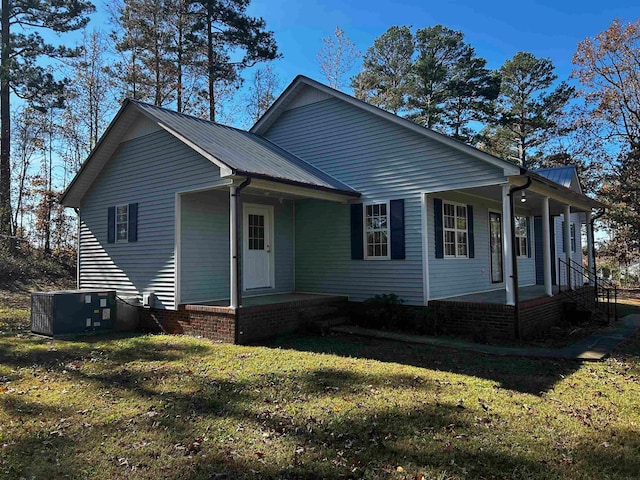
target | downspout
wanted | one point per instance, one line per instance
(236, 259)
(516, 293)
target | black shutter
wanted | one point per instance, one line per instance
(470, 240)
(111, 225)
(397, 229)
(357, 239)
(529, 242)
(133, 222)
(439, 228)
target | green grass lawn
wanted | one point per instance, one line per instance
(332, 407)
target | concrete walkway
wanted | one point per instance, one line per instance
(596, 346)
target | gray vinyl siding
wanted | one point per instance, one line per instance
(449, 277)
(323, 257)
(383, 161)
(204, 246)
(148, 170)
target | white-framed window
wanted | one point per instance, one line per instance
(376, 231)
(522, 242)
(122, 223)
(456, 234)
(573, 237)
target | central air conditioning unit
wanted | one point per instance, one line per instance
(72, 312)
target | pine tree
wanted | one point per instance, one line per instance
(21, 73)
(452, 87)
(228, 40)
(528, 108)
(386, 77)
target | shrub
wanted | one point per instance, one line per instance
(382, 311)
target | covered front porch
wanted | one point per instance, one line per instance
(517, 245)
(235, 243)
(509, 242)
(235, 246)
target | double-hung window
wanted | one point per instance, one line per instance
(522, 242)
(122, 223)
(573, 237)
(376, 231)
(456, 235)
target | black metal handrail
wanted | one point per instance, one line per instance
(577, 275)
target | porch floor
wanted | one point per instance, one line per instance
(498, 296)
(274, 299)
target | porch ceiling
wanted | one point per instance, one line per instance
(534, 200)
(289, 191)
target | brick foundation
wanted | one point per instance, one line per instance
(539, 315)
(253, 323)
(483, 320)
(213, 322)
(263, 321)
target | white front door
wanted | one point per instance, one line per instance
(257, 250)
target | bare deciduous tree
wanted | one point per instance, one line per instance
(337, 57)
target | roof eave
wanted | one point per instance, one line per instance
(284, 181)
(564, 191)
(272, 114)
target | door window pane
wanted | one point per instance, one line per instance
(256, 232)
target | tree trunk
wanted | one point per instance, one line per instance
(180, 46)
(211, 80)
(5, 135)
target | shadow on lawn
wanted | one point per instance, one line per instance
(352, 442)
(526, 375)
(330, 445)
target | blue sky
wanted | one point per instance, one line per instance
(497, 29)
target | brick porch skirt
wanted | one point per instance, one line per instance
(537, 316)
(254, 323)
(246, 324)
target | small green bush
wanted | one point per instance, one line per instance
(382, 311)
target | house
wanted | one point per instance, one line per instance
(237, 235)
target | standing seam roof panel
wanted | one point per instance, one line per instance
(243, 151)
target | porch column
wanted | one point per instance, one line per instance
(506, 247)
(233, 244)
(546, 247)
(567, 242)
(590, 260)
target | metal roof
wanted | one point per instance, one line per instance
(243, 152)
(560, 175)
(235, 151)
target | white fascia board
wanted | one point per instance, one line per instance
(465, 187)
